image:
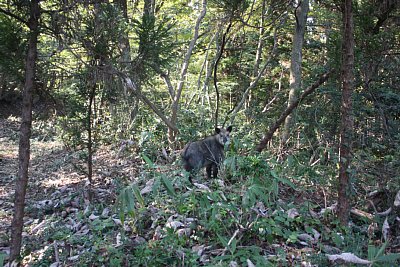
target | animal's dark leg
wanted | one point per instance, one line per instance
(208, 170)
(189, 169)
(215, 170)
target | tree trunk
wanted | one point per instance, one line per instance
(221, 51)
(123, 43)
(347, 80)
(295, 62)
(175, 103)
(25, 132)
(91, 107)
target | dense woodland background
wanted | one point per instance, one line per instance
(97, 98)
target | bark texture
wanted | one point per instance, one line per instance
(25, 132)
(295, 62)
(347, 81)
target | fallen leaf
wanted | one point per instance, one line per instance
(293, 213)
(148, 188)
(397, 199)
(385, 229)
(249, 263)
(105, 212)
(348, 257)
(38, 227)
(305, 237)
(117, 221)
(93, 217)
(316, 234)
(198, 249)
(118, 240)
(202, 187)
(73, 258)
(174, 224)
(184, 232)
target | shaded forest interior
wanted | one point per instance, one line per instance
(99, 98)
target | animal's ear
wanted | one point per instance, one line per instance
(229, 129)
(217, 130)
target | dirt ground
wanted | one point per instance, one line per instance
(57, 182)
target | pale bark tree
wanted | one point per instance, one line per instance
(178, 91)
(295, 62)
(25, 131)
(347, 84)
(175, 92)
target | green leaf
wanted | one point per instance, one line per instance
(2, 257)
(381, 250)
(138, 195)
(388, 258)
(130, 201)
(148, 161)
(371, 252)
(283, 180)
(233, 246)
(122, 203)
(168, 185)
(223, 240)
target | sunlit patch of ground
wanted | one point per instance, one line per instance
(8, 172)
(57, 183)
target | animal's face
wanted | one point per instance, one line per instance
(223, 135)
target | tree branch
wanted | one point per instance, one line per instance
(221, 51)
(129, 84)
(10, 14)
(290, 108)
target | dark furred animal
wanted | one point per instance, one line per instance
(208, 153)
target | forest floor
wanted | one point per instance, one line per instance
(56, 186)
(67, 226)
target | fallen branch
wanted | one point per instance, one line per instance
(361, 213)
(289, 110)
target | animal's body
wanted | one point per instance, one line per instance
(208, 153)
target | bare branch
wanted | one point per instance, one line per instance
(12, 15)
(290, 108)
(129, 84)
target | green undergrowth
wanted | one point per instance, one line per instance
(258, 210)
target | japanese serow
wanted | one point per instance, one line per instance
(208, 153)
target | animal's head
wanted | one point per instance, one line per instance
(223, 135)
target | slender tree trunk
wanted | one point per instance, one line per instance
(123, 43)
(232, 114)
(221, 51)
(92, 95)
(295, 62)
(260, 44)
(347, 80)
(175, 103)
(25, 132)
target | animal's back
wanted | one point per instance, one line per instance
(192, 156)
